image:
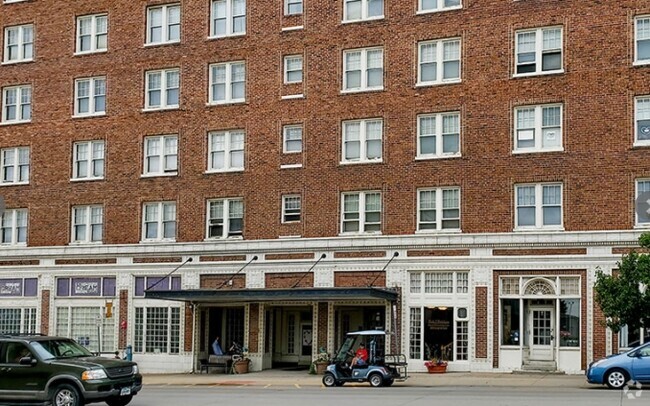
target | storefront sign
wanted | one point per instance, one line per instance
(11, 287)
(86, 287)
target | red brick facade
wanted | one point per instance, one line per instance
(481, 332)
(123, 318)
(45, 312)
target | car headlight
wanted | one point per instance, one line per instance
(135, 369)
(93, 374)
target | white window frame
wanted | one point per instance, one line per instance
(439, 118)
(363, 141)
(539, 212)
(287, 71)
(646, 20)
(440, 62)
(165, 38)
(160, 221)
(90, 160)
(227, 151)
(363, 69)
(230, 17)
(174, 333)
(164, 90)
(286, 130)
(439, 209)
(20, 90)
(228, 83)
(95, 34)
(14, 226)
(637, 100)
(364, 11)
(16, 166)
(637, 223)
(440, 6)
(92, 96)
(361, 213)
(162, 155)
(88, 223)
(538, 129)
(227, 233)
(289, 3)
(21, 44)
(539, 51)
(287, 210)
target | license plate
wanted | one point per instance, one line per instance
(125, 391)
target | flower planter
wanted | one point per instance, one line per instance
(241, 366)
(436, 368)
(321, 367)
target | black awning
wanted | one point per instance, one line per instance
(268, 295)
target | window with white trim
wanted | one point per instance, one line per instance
(14, 227)
(18, 320)
(228, 17)
(160, 155)
(439, 61)
(225, 218)
(360, 10)
(538, 128)
(15, 165)
(163, 24)
(92, 33)
(157, 330)
(642, 186)
(427, 6)
(227, 83)
(439, 282)
(226, 150)
(80, 323)
(88, 160)
(90, 96)
(438, 135)
(642, 120)
(538, 206)
(291, 207)
(162, 89)
(538, 51)
(293, 69)
(362, 140)
(363, 69)
(159, 221)
(361, 212)
(17, 104)
(439, 209)
(642, 40)
(291, 139)
(449, 341)
(292, 7)
(87, 224)
(19, 43)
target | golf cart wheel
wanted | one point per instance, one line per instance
(376, 380)
(329, 380)
(616, 378)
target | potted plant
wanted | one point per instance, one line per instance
(241, 365)
(321, 362)
(436, 363)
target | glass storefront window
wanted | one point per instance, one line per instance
(510, 322)
(631, 339)
(439, 333)
(570, 323)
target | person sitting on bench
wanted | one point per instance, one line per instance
(361, 356)
(216, 347)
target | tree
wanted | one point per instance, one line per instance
(622, 296)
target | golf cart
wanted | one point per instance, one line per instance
(379, 370)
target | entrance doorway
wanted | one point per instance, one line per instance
(292, 336)
(541, 322)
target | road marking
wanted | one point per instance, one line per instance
(267, 386)
(296, 385)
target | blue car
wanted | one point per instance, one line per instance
(619, 369)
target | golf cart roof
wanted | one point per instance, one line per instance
(367, 333)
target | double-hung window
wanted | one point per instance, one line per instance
(228, 17)
(225, 218)
(360, 10)
(291, 206)
(362, 141)
(161, 155)
(15, 166)
(291, 139)
(292, 7)
(361, 212)
(538, 128)
(90, 96)
(162, 89)
(538, 51)
(642, 40)
(163, 24)
(363, 69)
(438, 135)
(17, 104)
(293, 69)
(439, 61)
(642, 188)
(538, 206)
(13, 227)
(87, 224)
(226, 150)
(227, 83)
(88, 160)
(92, 33)
(439, 209)
(19, 43)
(642, 120)
(428, 6)
(159, 221)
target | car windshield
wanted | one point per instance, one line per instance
(50, 349)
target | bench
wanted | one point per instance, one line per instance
(215, 361)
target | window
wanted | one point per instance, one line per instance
(510, 329)
(87, 224)
(228, 83)
(18, 320)
(439, 332)
(226, 150)
(90, 96)
(633, 338)
(291, 207)
(292, 7)
(427, 6)
(439, 209)
(157, 283)
(539, 51)
(225, 218)
(292, 138)
(361, 212)
(358, 10)
(161, 155)
(19, 43)
(293, 69)
(439, 282)
(81, 324)
(18, 287)
(17, 104)
(163, 24)
(642, 118)
(159, 221)
(642, 217)
(538, 128)
(438, 135)
(88, 161)
(439, 62)
(642, 40)
(538, 206)
(157, 330)
(15, 165)
(363, 69)
(570, 323)
(228, 18)
(362, 140)
(14, 227)
(86, 287)
(162, 89)
(92, 33)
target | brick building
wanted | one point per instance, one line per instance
(291, 148)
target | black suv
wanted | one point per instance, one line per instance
(57, 370)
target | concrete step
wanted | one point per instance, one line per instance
(542, 366)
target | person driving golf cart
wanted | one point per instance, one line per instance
(360, 357)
